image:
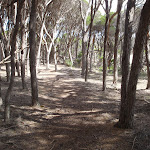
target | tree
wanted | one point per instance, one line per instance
(13, 48)
(105, 46)
(127, 105)
(126, 55)
(115, 75)
(93, 12)
(147, 53)
(32, 42)
(84, 34)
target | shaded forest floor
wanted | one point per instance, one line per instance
(73, 115)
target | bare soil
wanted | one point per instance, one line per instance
(73, 114)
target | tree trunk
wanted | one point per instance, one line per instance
(40, 44)
(105, 47)
(147, 53)
(76, 48)
(55, 57)
(51, 44)
(126, 58)
(84, 36)
(32, 55)
(17, 65)
(91, 58)
(127, 109)
(0, 70)
(84, 47)
(28, 62)
(115, 75)
(7, 65)
(23, 52)
(13, 47)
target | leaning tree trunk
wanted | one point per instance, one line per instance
(13, 47)
(126, 58)
(147, 53)
(115, 75)
(90, 33)
(127, 111)
(32, 55)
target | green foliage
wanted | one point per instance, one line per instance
(80, 54)
(96, 18)
(88, 20)
(85, 1)
(68, 62)
(103, 20)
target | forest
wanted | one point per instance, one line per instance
(74, 75)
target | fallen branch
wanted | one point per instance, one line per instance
(17, 51)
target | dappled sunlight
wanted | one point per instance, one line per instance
(72, 113)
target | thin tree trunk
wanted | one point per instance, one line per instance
(76, 48)
(51, 44)
(70, 55)
(13, 47)
(84, 47)
(55, 57)
(105, 47)
(84, 36)
(40, 44)
(6, 43)
(0, 70)
(23, 52)
(28, 62)
(127, 112)
(17, 65)
(32, 55)
(7, 66)
(147, 53)
(91, 58)
(115, 75)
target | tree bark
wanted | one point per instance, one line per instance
(0, 70)
(90, 33)
(76, 48)
(6, 43)
(105, 47)
(91, 58)
(127, 109)
(147, 53)
(84, 36)
(115, 75)
(13, 47)
(23, 52)
(55, 57)
(32, 55)
(17, 65)
(126, 58)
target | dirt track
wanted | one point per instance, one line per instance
(73, 115)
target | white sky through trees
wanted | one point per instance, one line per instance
(114, 6)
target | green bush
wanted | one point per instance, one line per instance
(68, 62)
